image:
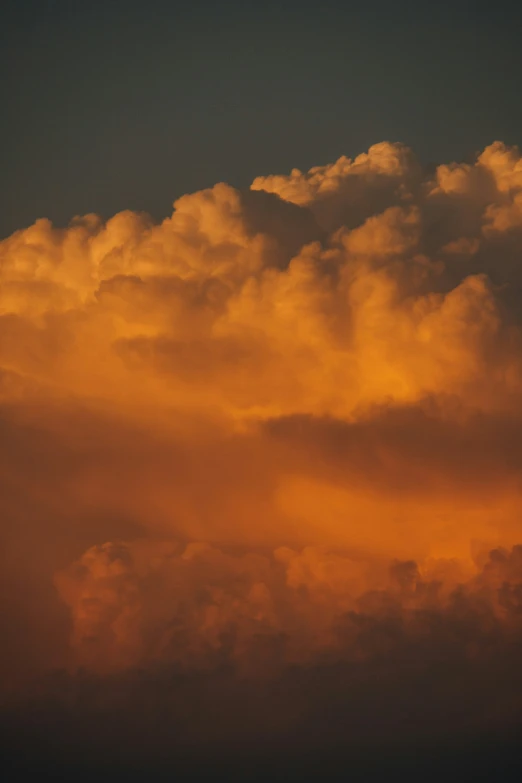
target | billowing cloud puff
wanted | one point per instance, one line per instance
(277, 433)
(194, 604)
(243, 301)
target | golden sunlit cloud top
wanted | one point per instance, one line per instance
(359, 283)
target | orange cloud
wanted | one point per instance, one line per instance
(279, 430)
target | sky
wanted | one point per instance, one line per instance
(261, 392)
(128, 105)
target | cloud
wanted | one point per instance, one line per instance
(270, 442)
(194, 605)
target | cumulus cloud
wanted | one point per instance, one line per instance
(142, 602)
(279, 431)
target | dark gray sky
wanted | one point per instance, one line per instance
(126, 104)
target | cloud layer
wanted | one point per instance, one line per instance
(278, 432)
